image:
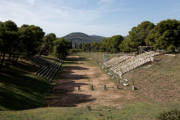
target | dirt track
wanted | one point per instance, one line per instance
(66, 93)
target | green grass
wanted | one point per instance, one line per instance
(138, 111)
(20, 89)
(93, 58)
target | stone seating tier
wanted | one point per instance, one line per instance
(131, 62)
(46, 69)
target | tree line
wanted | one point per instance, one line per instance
(30, 40)
(27, 41)
(163, 36)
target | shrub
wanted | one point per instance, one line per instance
(171, 48)
(171, 115)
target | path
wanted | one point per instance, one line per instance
(65, 92)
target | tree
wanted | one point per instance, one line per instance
(48, 44)
(115, 42)
(31, 39)
(95, 46)
(137, 36)
(9, 39)
(112, 44)
(62, 47)
(125, 45)
(2, 34)
(104, 44)
(86, 47)
(166, 35)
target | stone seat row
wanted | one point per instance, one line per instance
(116, 60)
(47, 69)
(132, 62)
(39, 61)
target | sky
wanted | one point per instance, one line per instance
(93, 17)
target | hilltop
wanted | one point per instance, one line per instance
(80, 38)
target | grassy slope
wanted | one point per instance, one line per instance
(159, 82)
(137, 111)
(20, 89)
(149, 106)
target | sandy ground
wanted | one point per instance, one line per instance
(80, 75)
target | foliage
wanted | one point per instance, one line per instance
(171, 115)
(48, 44)
(31, 39)
(107, 45)
(125, 45)
(112, 44)
(137, 36)
(8, 39)
(93, 46)
(166, 35)
(15, 42)
(62, 47)
(86, 47)
(75, 51)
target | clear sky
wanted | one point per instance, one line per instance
(93, 17)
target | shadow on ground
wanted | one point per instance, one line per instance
(63, 92)
(19, 90)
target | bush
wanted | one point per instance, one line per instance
(171, 48)
(171, 115)
(74, 51)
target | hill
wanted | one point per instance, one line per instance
(78, 38)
